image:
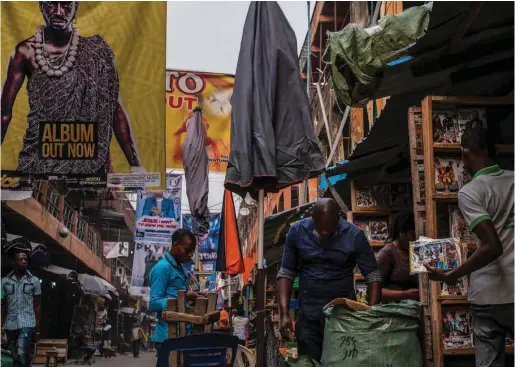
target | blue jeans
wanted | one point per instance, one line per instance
(19, 345)
(88, 350)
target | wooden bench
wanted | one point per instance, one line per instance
(51, 345)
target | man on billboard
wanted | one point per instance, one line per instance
(159, 206)
(72, 81)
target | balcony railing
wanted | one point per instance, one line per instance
(91, 243)
(52, 204)
(81, 229)
(68, 216)
(36, 189)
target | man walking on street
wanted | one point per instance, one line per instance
(323, 251)
(136, 335)
(21, 299)
(487, 206)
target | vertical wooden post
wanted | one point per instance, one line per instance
(431, 222)
(182, 309)
(211, 306)
(171, 305)
(200, 310)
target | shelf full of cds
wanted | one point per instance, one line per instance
(373, 206)
(437, 175)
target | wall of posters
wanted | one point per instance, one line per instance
(81, 112)
(207, 245)
(186, 90)
(158, 214)
(113, 250)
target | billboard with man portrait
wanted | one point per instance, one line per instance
(81, 94)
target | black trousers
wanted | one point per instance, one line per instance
(310, 337)
(136, 347)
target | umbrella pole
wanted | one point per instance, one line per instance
(261, 283)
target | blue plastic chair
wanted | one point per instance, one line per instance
(208, 349)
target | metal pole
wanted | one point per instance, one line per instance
(261, 282)
(308, 81)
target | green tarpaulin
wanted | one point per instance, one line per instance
(359, 55)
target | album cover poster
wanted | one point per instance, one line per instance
(378, 230)
(459, 228)
(450, 175)
(442, 254)
(456, 330)
(361, 291)
(445, 126)
(364, 227)
(365, 197)
(458, 289)
(471, 118)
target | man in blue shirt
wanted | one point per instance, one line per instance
(323, 251)
(168, 277)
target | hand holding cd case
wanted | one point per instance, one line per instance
(444, 254)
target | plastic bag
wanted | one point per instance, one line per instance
(383, 336)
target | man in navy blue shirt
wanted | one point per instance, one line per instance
(323, 251)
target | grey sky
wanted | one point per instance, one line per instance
(206, 36)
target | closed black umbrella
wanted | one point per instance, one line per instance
(273, 142)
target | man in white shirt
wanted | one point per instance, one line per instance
(240, 325)
(487, 206)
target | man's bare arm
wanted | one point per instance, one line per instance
(124, 136)
(16, 70)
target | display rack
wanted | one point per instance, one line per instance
(380, 213)
(427, 202)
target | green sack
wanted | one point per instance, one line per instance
(386, 335)
(6, 361)
(358, 56)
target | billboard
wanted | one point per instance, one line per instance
(207, 245)
(81, 92)
(185, 90)
(158, 214)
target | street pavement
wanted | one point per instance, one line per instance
(145, 359)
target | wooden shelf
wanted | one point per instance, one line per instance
(373, 212)
(453, 300)
(458, 351)
(443, 197)
(473, 101)
(469, 351)
(455, 148)
(376, 243)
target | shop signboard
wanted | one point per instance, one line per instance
(81, 112)
(185, 90)
(158, 214)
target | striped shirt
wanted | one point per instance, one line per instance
(20, 300)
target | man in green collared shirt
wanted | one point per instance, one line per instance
(487, 206)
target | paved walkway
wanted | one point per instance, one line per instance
(145, 359)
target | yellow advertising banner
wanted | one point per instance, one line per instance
(82, 88)
(185, 90)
